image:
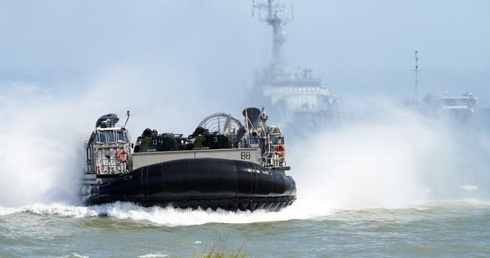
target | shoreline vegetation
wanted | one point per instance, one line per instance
(219, 251)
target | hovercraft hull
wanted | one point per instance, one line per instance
(198, 183)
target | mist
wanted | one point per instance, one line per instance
(46, 128)
(390, 156)
(64, 64)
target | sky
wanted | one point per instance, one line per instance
(172, 63)
(356, 47)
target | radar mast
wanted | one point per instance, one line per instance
(276, 15)
(416, 86)
(294, 93)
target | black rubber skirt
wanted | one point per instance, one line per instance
(199, 183)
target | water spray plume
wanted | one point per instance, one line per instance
(396, 158)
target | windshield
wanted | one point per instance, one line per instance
(111, 136)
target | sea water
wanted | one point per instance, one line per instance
(435, 229)
(389, 183)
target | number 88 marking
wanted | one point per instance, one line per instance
(245, 155)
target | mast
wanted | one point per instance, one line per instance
(277, 16)
(127, 118)
(416, 86)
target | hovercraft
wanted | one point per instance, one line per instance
(221, 165)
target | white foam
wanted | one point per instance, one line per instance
(176, 217)
(155, 255)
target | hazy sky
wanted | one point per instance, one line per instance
(356, 47)
(64, 63)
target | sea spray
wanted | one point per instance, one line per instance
(46, 124)
(39, 154)
(390, 157)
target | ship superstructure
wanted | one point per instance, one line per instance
(458, 107)
(295, 93)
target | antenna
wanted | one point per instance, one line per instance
(127, 118)
(416, 86)
(277, 15)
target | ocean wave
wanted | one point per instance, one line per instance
(171, 217)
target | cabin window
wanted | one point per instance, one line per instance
(106, 137)
(254, 142)
(101, 137)
(111, 137)
(122, 136)
(277, 140)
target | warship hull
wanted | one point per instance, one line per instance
(197, 183)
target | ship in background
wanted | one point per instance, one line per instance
(458, 107)
(293, 93)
